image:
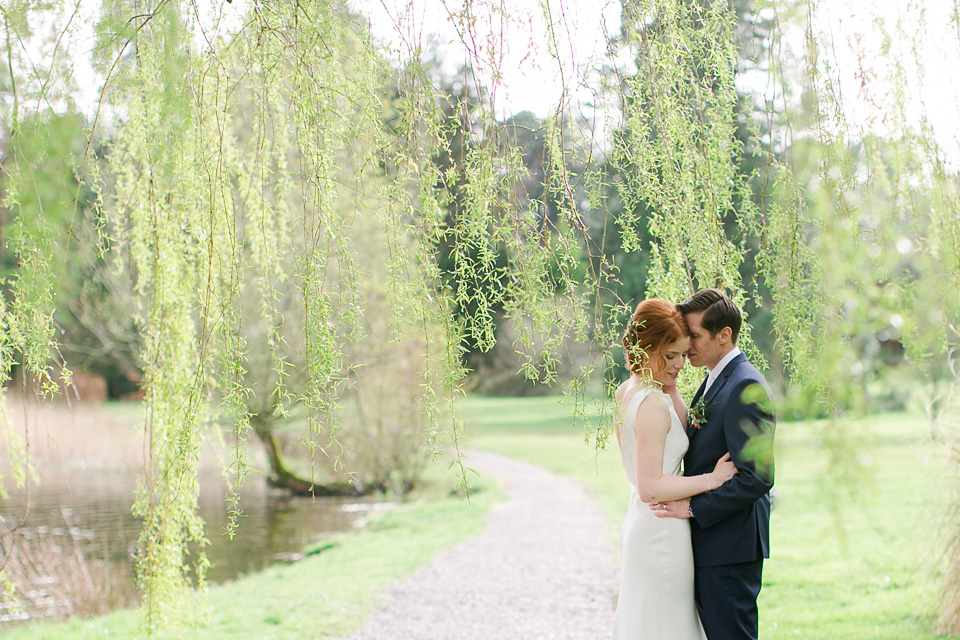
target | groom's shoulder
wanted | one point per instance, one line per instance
(745, 373)
(752, 384)
(748, 369)
(742, 367)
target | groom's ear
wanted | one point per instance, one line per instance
(725, 335)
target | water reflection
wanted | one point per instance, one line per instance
(91, 510)
(274, 526)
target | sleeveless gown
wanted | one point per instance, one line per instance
(656, 560)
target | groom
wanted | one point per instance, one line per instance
(730, 528)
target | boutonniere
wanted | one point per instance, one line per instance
(697, 414)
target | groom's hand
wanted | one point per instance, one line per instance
(672, 509)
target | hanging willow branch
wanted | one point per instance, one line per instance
(679, 152)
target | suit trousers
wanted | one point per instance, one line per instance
(727, 599)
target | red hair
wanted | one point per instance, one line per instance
(654, 325)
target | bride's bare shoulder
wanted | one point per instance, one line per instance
(653, 407)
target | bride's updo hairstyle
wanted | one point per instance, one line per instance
(654, 325)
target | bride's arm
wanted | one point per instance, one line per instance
(653, 423)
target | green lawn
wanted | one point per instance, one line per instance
(854, 553)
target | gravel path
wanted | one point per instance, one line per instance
(543, 569)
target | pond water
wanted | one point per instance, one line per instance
(93, 509)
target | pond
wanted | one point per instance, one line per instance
(84, 516)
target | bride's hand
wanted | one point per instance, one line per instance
(723, 471)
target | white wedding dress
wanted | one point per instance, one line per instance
(656, 561)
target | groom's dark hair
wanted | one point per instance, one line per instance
(718, 311)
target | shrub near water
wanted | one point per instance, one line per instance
(57, 576)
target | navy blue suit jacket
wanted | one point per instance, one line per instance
(731, 524)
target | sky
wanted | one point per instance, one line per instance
(860, 58)
(925, 44)
(530, 78)
(514, 39)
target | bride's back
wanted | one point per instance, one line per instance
(676, 442)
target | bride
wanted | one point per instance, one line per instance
(656, 586)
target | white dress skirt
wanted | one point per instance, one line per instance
(656, 599)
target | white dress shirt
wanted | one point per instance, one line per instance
(724, 361)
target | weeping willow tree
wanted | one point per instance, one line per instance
(227, 147)
(254, 153)
(256, 131)
(859, 241)
(889, 208)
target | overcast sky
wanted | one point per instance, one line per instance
(525, 75)
(532, 79)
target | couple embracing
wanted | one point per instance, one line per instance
(697, 527)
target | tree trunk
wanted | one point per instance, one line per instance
(281, 477)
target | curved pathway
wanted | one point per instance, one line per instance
(543, 569)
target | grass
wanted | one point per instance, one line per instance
(854, 552)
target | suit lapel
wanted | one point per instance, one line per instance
(722, 378)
